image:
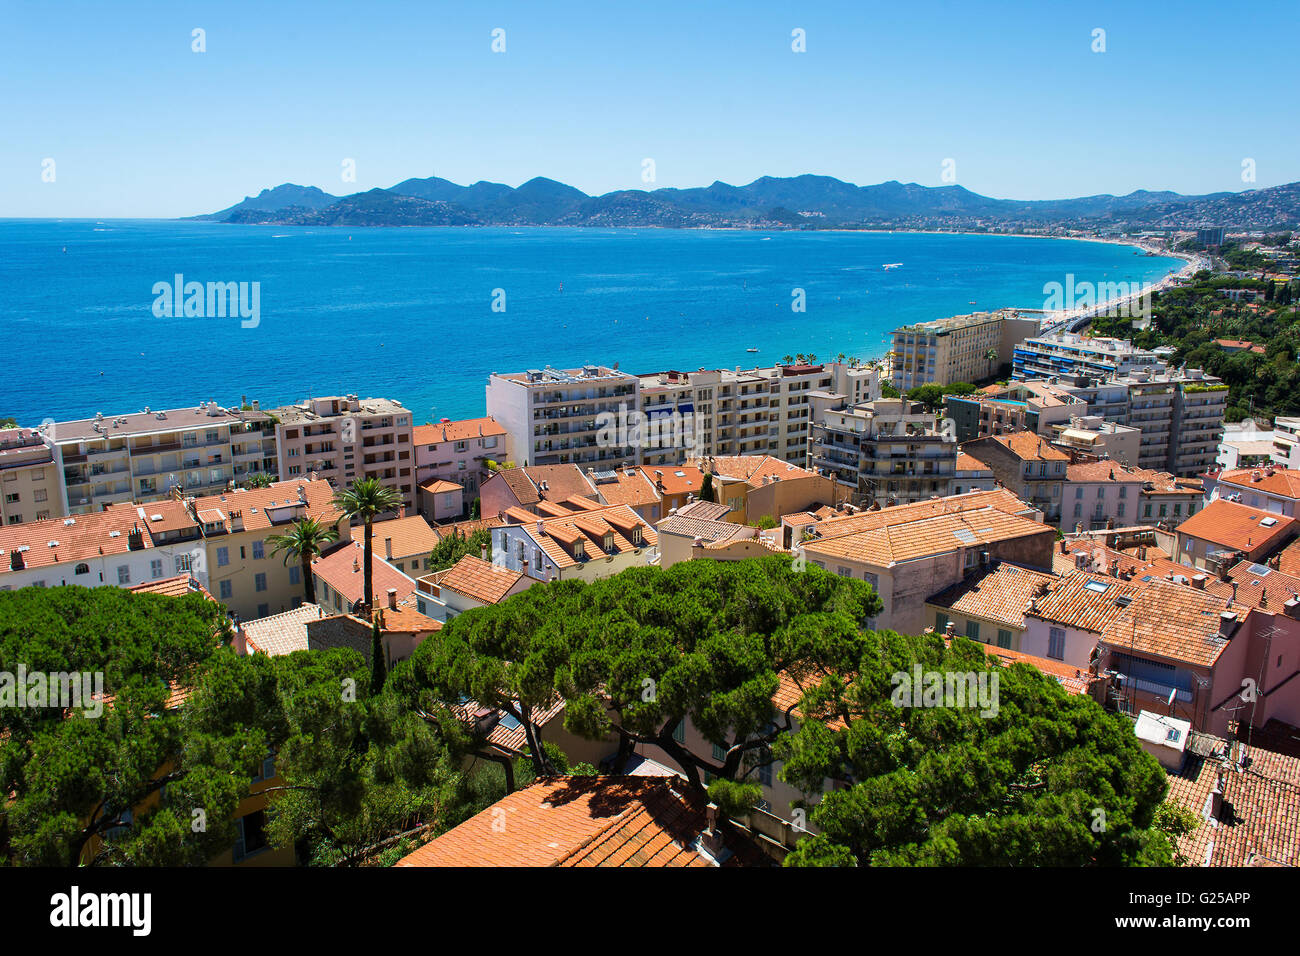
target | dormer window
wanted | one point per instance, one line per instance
(636, 536)
(579, 549)
(609, 541)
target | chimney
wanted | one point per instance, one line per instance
(483, 552)
(711, 838)
(1292, 608)
(1227, 623)
(1064, 549)
(949, 629)
(1198, 582)
(388, 548)
(392, 599)
(524, 567)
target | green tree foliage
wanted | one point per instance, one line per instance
(305, 540)
(364, 501)
(636, 654)
(72, 777)
(258, 479)
(706, 487)
(1049, 779)
(932, 396)
(454, 546)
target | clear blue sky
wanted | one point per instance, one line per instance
(139, 125)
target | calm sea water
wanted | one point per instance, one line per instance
(407, 313)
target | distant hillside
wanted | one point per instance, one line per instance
(283, 197)
(798, 202)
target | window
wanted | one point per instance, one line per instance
(263, 610)
(719, 753)
(156, 568)
(223, 557)
(250, 835)
(183, 563)
(1004, 638)
(1078, 492)
(1123, 492)
(259, 582)
(973, 630)
(679, 732)
(940, 622)
(259, 550)
(123, 574)
(225, 590)
(40, 494)
(295, 575)
(10, 499)
(82, 569)
(15, 519)
(1056, 644)
(1078, 511)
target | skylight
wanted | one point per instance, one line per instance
(1098, 586)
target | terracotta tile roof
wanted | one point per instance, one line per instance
(405, 619)
(281, 633)
(466, 528)
(1101, 471)
(1258, 823)
(835, 523)
(1163, 483)
(1072, 679)
(178, 586)
(1088, 602)
(1000, 593)
(561, 481)
(516, 479)
(752, 469)
(1282, 481)
(627, 487)
(1172, 621)
(1288, 559)
(705, 528)
(583, 821)
(481, 580)
(507, 734)
(708, 510)
(1257, 586)
(1234, 526)
(968, 462)
(341, 570)
(438, 486)
(462, 430)
(280, 498)
(1028, 446)
(889, 544)
(412, 536)
(567, 530)
(790, 691)
(677, 479)
(51, 542)
(164, 516)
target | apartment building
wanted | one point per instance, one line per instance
(1020, 406)
(116, 547)
(566, 416)
(471, 582)
(989, 605)
(1100, 494)
(1269, 488)
(343, 439)
(887, 451)
(458, 452)
(1027, 465)
(1224, 528)
(243, 572)
(961, 348)
(1067, 353)
(30, 489)
(1179, 414)
(1245, 445)
(534, 486)
(747, 411)
(1093, 436)
(405, 543)
(912, 551)
(145, 456)
(1286, 442)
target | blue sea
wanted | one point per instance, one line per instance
(408, 313)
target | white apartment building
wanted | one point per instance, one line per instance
(143, 456)
(343, 438)
(1067, 353)
(961, 348)
(555, 416)
(1286, 442)
(759, 411)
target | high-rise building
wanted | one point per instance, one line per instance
(30, 489)
(343, 438)
(961, 348)
(1065, 353)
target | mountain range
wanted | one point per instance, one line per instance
(798, 202)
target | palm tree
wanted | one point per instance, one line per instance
(812, 359)
(799, 358)
(305, 539)
(258, 479)
(787, 360)
(367, 499)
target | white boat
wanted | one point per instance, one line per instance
(751, 350)
(892, 265)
